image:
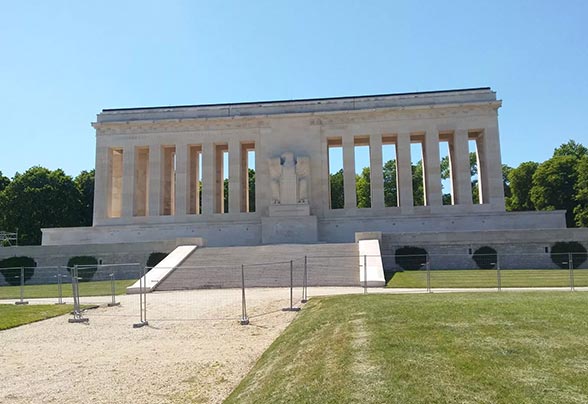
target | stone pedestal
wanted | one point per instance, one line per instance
(289, 223)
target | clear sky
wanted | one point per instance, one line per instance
(62, 62)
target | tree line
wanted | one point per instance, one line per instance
(41, 198)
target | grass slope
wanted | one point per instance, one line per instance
(458, 348)
(477, 278)
(98, 288)
(12, 316)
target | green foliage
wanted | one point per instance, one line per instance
(12, 269)
(581, 210)
(87, 266)
(39, 198)
(4, 181)
(155, 258)
(485, 257)
(390, 186)
(418, 185)
(521, 182)
(553, 186)
(251, 179)
(505, 180)
(336, 190)
(411, 258)
(560, 254)
(571, 148)
(85, 184)
(363, 188)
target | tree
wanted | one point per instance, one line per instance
(571, 148)
(521, 182)
(505, 181)
(363, 188)
(251, 179)
(4, 181)
(581, 209)
(418, 188)
(554, 186)
(39, 198)
(337, 197)
(85, 184)
(390, 186)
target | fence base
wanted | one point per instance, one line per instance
(21, 302)
(291, 309)
(113, 304)
(304, 301)
(141, 324)
(244, 321)
(78, 320)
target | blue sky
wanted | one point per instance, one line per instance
(62, 62)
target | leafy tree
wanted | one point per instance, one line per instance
(571, 148)
(418, 187)
(411, 258)
(85, 185)
(554, 186)
(581, 210)
(560, 254)
(4, 181)
(390, 186)
(521, 182)
(485, 257)
(251, 179)
(505, 181)
(10, 269)
(88, 266)
(363, 188)
(337, 197)
(39, 198)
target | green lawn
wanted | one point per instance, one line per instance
(13, 316)
(497, 348)
(99, 288)
(477, 278)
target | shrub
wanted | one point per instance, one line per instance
(411, 258)
(12, 276)
(485, 257)
(560, 251)
(87, 266)
(155, 258)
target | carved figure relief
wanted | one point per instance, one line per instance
(289, 179)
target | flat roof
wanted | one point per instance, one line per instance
(237, 104)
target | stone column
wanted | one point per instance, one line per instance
(128, 182)
(404, 171)
(101, 180)
(492, 162)
(376, 171)
(432, 169)
(155, 179)
(208, 178)
(349, 172)
(182, 178)
(460, 168)
(235, 176)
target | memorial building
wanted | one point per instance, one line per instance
(161, 171)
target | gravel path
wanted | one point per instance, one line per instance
(193, 350)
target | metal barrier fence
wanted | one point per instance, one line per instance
(247, 290)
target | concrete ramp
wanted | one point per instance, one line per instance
(374, 270)
(162, 270)
(266, 266)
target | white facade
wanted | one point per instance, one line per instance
(150, 163)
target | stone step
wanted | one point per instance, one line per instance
(266, 266)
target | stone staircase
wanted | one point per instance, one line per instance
(266, 266)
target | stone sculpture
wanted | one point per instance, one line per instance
(289, 179)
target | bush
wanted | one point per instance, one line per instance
(12, 276)
(411, 258)
(560, 251)
(87, 266)
(155, 258)
(485, 257)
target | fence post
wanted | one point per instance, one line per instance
(571, 268)
(142, 300)
(113, 291)
(291, 308)
(244, 319)
(21, 301)
(305, 281)
(59, 287)
(77, 312)
(428, 268)
(498, 275)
